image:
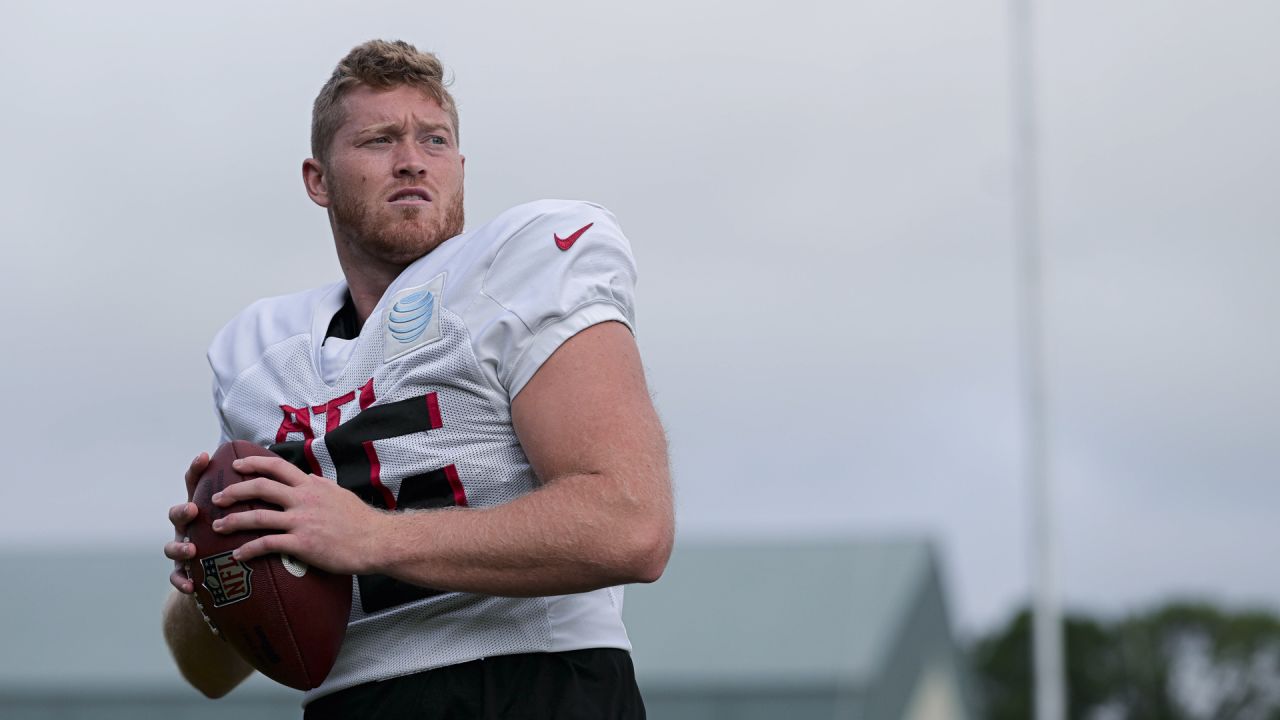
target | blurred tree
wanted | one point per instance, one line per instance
(1183, 661)
(1002, 662)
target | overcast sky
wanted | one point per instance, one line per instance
(819, 203)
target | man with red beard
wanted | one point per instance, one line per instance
(488, 550)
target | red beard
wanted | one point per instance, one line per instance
(396, 235)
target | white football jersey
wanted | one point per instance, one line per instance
(415, 412)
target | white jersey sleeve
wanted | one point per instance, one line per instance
(224, 431)
(240, 344)
(568, 267)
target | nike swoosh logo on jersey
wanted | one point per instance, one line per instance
(566, 243)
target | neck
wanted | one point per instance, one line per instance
(367, 277)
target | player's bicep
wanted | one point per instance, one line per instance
(586, 411)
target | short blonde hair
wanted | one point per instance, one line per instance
(382, 65)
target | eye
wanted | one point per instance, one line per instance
(437, 140)
(380, 140)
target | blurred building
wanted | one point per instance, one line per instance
(852, 630)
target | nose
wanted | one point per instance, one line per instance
(410, 161)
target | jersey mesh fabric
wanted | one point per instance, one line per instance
(474, 437)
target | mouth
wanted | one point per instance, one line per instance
(409, 196)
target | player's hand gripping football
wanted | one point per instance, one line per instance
(178, 550)
(319, 521)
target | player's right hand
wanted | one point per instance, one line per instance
(179, 550)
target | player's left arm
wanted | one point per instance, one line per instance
(587, 423)
(602, 515)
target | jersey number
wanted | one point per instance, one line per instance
(350, 445)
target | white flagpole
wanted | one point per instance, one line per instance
(1050, 698)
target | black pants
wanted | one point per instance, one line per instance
(580, 684)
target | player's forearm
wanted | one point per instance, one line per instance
(577, 534)
(204, 659)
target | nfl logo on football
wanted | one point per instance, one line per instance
(226, 578)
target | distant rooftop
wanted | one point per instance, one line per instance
(776, 613)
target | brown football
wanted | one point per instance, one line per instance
(286, 619)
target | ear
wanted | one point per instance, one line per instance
(313, 178)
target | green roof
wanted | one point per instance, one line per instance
(778, 614)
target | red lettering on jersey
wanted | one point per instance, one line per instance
(455, 482)
(366, 395)
(296, 419)
(375, 475)
(311, 457)
(433, 411)
(333, 410)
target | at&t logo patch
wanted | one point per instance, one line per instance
(412, 319)
(226, 579)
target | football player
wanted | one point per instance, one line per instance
(463, 426)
